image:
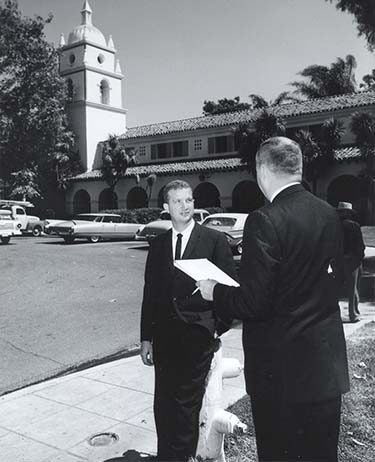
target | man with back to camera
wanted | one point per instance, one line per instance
(290, 274)
(178, 326)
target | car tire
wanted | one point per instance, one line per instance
(94, 239)
(68, 239)
(5, 239)
(239, 248)
(37, 231)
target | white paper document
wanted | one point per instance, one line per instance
(201, 268)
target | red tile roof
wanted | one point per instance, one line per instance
(199, 166)
(324, 105)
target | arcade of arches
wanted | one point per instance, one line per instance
(246, 196)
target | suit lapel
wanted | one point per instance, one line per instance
(193, 241)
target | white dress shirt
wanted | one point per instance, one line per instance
(185, 237)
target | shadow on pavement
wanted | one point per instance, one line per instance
(132, 456)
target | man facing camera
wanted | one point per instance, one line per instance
(290, 274)
(178, 327)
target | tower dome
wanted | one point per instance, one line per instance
(86, 30)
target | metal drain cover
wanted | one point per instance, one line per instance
(103, 439)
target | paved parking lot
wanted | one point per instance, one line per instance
(65, 305)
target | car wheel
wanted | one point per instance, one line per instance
(5, 239)
(68, 239)
(37, 231)
(94, 239)
(239, 248)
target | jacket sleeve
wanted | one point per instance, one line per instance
(148, 296)
(259, 268)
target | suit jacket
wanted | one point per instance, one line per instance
(290, 274)
(167, 291)
(354, 247)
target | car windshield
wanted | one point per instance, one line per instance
(220, 221)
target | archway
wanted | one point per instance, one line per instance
(246, 197)
(81, 202)
(108, 200)
(206, 195)
(161, 197)
(136, 198)
(348, 188)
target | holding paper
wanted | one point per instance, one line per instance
(201, 268)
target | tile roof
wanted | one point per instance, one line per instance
(199, 166)
(327, 104)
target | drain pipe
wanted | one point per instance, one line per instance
(215, 422)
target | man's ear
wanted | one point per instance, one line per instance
(166, 207)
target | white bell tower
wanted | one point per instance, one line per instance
(94, 77)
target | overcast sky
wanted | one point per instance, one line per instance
(177, 53)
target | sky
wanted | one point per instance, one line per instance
(177, 53)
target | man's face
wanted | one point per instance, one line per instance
(180, 206)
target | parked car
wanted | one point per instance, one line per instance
(94, 227)
(232, 224)
(50, 222)
(8, 226)
(163, 223)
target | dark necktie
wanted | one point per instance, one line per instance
(177, 255)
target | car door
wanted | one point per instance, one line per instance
(108, 226)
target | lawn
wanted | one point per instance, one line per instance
(357, 439)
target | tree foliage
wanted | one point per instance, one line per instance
(258, 102)
(368, 81)
(336, 79)
(34, 134)
(248, 138)
(115, 161)
(364, 13)
(224, 105)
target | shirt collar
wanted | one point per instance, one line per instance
(278, 191)
(186, 232)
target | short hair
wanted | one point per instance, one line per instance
(281, 155)
(173, 185)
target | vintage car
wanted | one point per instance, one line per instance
(8, 226)
(232, 224)
(163, 223)
(94, 227)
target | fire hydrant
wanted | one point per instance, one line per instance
(215, 422)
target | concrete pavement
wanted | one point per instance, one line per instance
(102, 413)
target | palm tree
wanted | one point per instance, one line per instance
(318, 151)
(337, 79)
(248, 138)
(258, 102)
(363, 127)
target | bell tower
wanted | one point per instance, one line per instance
(88, 62)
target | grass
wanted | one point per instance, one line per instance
(357, 438)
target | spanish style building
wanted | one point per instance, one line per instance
(200, 150)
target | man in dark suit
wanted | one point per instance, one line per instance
(354, 252)
(177, 326)
(293, 340)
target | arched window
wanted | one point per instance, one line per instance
(104, 92)
(70, 90)
(206, 195)
(348, 188)
(246, 196)
(136, 198)
(108, 200)
(81, 202)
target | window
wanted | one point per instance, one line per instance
(168, 150)
(101, 59)
(142, 150)
(197, 145)
(220, 144)
(20, 211)
(72, 58)
(104, 92)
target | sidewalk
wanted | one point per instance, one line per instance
(53, 421)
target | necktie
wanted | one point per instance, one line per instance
(177, 255)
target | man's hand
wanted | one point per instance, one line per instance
(146, 353)
(206, 287)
